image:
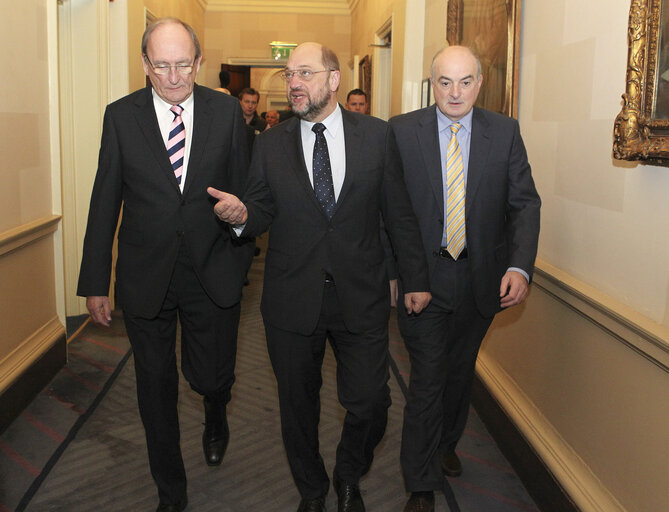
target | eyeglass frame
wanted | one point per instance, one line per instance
(288, 75)
(179, 68)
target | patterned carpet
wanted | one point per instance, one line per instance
(80, 445)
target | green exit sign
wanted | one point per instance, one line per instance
(281, 50)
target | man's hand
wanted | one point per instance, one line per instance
(100, 309)
(393, 293)
(229, 208)
(415, 302)
(513, 289)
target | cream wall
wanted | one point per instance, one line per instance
(240, 35)
(367, 18)
(583, 367)
(190, 11)
(30, 264)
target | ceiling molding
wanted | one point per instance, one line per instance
(332, 7)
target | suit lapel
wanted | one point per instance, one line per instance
(148, 123)
(353, 143)
(291, 142)
(479, 149)
(201, 124)
(428, 141)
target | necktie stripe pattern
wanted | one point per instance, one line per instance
(323, 185)
(455, 196)
(176, 142)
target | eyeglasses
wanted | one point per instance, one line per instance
(302, 74)
(164, 69)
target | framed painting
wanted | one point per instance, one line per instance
(425, 91)
(641, 130)
(365, 76)
(492, 29)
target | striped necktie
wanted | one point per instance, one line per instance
(455, 196)
(176, 142)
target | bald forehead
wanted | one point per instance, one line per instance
(459, 56)
(306, 54)
(173, 32)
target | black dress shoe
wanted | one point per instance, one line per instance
(348, 495)
(216, 432)
(315, 505)
(451, 464)
(420, 502)
(180, 507)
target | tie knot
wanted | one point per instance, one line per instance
(455, 127)
(318, 128)
(177, 110)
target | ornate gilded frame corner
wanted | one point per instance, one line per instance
(455, 21)
(639, 134)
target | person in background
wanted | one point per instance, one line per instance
(356, 101)
(272, 118)
(459, 158)
(325, 272)
(248, 98)
(176, 259)
(224, 79)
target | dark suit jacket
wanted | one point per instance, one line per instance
(302, 242)
(501, 203)
(134, 171)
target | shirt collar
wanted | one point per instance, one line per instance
(444, 122)
(161, 104)
(333, 123)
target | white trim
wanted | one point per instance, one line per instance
(643, 335)
(332, 7)
(414, 45)
(54, 155)
(578, 481)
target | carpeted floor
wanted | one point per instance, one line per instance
(80, 445)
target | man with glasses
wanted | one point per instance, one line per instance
(161, 148)
(323, 179)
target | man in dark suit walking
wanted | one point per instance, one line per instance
(161, 148)
(323, 180)
(471, 187)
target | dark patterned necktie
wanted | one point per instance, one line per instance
(176, 142)
(323, 185)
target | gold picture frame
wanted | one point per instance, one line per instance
(492, 29)
(641, 130)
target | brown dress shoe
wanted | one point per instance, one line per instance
(420, 502)
(451, 464)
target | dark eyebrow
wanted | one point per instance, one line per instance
(468, 77)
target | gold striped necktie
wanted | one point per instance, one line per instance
(455, 196)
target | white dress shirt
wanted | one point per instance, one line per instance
(334, 136)
(165, 118)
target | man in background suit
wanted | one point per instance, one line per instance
(323, 179)
(174, 256)
(480, 254)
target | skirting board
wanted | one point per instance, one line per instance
(582, 486)
(31, 368)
